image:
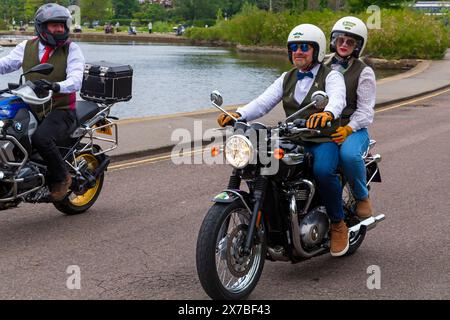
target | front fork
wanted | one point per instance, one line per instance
(259, 193)
(233, 193)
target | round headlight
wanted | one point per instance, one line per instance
(239, 151)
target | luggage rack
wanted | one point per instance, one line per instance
(93, 132)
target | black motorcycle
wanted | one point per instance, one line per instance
(23, 173)
(281, 217)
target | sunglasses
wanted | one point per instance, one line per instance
(304, 47)
(349, 41)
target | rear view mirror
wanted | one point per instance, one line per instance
(320, 98)
(216, 98)
(43, 68)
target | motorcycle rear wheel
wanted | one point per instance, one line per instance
(76, 204)
(224, 272)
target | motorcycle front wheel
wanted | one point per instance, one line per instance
(76, 203)
(226, 273)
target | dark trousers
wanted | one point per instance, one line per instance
(55, 128)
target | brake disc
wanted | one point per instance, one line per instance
(238, 263)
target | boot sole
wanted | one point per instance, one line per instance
(341, 253)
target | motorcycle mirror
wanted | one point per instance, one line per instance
(216, 98)
(44, 68)
(13, 86)
(320, 98)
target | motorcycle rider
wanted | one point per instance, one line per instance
(347, 41)
(52, 26)
(306, 50)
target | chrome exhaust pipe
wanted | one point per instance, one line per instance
(368, 223)
(298, 249)
(277, 254)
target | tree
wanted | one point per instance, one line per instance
(198, 9)
(125, 8)
(151, 12)
(12, 9)
(30, 8)
(92, 10)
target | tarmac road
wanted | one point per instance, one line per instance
(138, 241)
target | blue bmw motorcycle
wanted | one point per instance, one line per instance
(23, 173)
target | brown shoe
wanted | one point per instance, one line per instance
(59, 190)
(364, 209)
(339, 239)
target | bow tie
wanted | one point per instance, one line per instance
(343, 63)
(301, 75)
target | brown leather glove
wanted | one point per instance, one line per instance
(319, 118)
(223, 119)
(341, 134)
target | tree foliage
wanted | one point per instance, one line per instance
(125, 8)
(92, 10)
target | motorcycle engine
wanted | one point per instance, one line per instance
(314, 227)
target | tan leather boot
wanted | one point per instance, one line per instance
(59, 190)
(339, 239)
(364, 209)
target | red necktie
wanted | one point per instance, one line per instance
(46, 54)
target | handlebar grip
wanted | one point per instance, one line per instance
(300, 123)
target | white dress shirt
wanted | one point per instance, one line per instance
(334, 87)
(75, 65)
(366, 97)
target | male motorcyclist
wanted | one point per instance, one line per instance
(52, 26)
(306, 50)
(347, 41)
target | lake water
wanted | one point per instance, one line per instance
(177, 78)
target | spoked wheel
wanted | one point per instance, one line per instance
(79, 202)
(349, 203)
(225, 272)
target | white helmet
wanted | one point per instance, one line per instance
(352, 27)
(311, 34)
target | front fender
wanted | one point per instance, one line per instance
(228, 196)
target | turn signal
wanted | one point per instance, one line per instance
(278, 154)
(215, 151)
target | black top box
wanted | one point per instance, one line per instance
(106, 82)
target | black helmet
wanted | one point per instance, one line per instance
(52, 12)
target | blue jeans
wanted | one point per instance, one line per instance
(326, 160)
(352, 163)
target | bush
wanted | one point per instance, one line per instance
(3, 25)
(403, 34)
(162, 26)
(408, 34)
(204, 22)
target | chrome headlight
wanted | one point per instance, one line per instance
(239, 151)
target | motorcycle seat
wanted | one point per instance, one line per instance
(86, 110)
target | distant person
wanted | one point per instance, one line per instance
(131, 30)
(150, 27)
(109, 28)
(117, 26)
(180, 30)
